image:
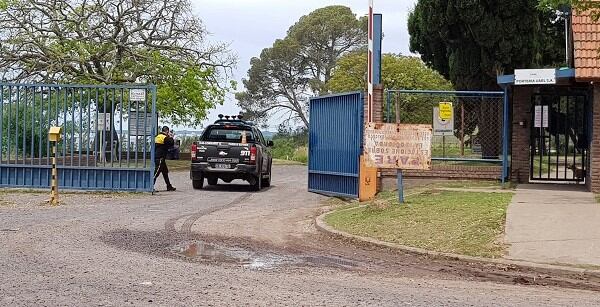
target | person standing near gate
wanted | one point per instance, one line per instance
(163, 141)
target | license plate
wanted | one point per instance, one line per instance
(222, 165)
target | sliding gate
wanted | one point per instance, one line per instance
(107, 136)
(335, 141)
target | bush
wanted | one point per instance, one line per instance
(301, 155)
(290, 145)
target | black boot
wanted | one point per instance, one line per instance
(171, 188)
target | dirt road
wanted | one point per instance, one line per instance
(228, 246)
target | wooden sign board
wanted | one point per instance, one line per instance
(398, 146)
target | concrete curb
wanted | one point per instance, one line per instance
(322, 226)
(475, 190)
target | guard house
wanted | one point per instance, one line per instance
(554, 120)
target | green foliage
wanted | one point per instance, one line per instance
(284, 76)
(398, 72)
(186, 143)
(577, 4)
(25, 128)
(471, 42)
(73, 41)
(466, 223)
(323, 36)
(291, 145)
(276, 82)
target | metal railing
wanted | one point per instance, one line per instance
(105, 127)
(478, 134)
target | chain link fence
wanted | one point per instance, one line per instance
(475, 136)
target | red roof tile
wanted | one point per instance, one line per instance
(586, 42)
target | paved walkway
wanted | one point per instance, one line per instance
(554, 224)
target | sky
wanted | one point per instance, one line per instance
(249, 26)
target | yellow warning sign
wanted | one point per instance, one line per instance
(446, 111)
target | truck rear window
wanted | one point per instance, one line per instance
(229, 135)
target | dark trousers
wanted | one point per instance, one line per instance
(160, 166)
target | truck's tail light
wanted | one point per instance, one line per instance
(194, 150)
(253, 154)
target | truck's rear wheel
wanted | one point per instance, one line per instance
(267, 181)
(198, 183)
(257, 183)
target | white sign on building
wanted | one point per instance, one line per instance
(535, 76)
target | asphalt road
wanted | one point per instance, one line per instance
(227, 245)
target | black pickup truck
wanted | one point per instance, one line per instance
(231, 149)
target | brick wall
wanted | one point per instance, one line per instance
(378, 102)
(593, 174)
(521, 114)
(452, 172)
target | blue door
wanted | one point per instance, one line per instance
(335, 144)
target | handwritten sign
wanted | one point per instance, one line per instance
(398, 146)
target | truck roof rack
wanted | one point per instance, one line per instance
(234, 120)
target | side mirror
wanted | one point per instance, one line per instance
(270, 144)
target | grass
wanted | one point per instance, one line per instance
(468, 223)
(286, 162)
(179, 165)
(6, 203)
(469, 184)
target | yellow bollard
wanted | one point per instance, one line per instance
(54, 182)
(54, 137)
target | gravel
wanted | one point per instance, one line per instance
(118, 250)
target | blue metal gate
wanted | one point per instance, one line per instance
(335, 144)
(107, 139)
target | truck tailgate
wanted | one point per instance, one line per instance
(223, 153)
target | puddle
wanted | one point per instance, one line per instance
(205, 252)
(202, 251)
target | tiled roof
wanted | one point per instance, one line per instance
(586, 42)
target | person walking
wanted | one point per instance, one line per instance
(163, 141)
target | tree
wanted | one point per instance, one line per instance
(323, 36)
(398, 72)
(277, 81)
(117, 41)
(582, 5)
(299, 66)
(471, 42)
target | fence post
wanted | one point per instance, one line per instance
(388, 106)
(505, 135)
(153, 132)
(462, 128)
